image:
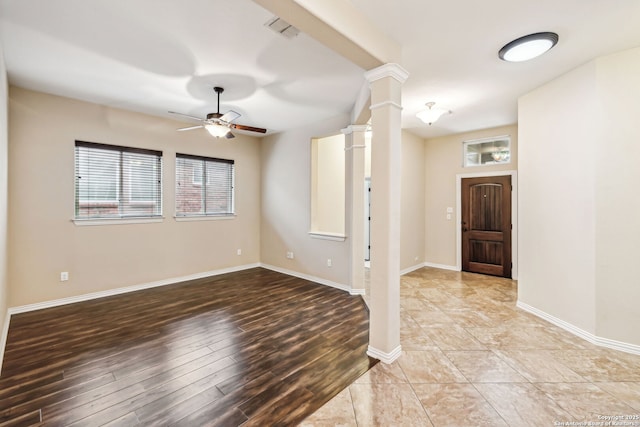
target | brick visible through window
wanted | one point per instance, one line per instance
(204, 186)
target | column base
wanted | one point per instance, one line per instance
(383, 356)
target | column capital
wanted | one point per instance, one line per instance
(354, 128)
(387, 70)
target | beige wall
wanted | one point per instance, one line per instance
(286, 206)
(579, 217)
(328, 184)
(412, 224)
(3, 201)
(43, 241)
(442, 162)
(286, 192)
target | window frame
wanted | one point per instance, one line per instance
(124, 193)
(493, 139)
(203, 187)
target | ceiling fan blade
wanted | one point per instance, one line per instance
(189, 128)
(186, 115)
(230, 116)
(229, 135)
(249, 128)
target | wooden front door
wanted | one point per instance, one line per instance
(486, 225)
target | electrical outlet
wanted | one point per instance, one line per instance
(289, 255)
(239, 251)
(329, 263)
(64, 276)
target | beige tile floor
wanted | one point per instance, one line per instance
(471, 358)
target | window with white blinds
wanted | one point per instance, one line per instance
(204, 186)
(117, 182)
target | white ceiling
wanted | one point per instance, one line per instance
(154, 56)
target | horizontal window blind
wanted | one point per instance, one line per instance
(117, 182)
(204, 186)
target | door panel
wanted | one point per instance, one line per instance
(483, 199)
(486, 225)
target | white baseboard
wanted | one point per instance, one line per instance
(588, 336)
(322, 281)
(412, 268)
(357, 292)
(383, 356)
(441, 266)
(118, 291)
(3, 337)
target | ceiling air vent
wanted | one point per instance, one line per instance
(281, 26)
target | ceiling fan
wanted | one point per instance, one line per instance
(218, 124)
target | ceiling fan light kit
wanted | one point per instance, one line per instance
(528, 47)
(431, 115)
(219, 125)
(217, 130)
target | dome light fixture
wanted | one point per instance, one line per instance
(431, 115)
(528, 47)
(217, 130)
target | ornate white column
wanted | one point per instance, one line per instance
(384, 322)
(354, 145)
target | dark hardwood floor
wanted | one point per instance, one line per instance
(252, 348)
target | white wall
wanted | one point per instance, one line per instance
(43, 241)
(558, 134)
(4, 131)
(579, 213)
(618, 205)
(286, 206)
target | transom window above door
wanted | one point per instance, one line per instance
(487, 151)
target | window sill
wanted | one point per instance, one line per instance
(323, 235)
(116, 221)
(204, 218)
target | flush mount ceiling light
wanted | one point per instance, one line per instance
(528, 47)
(431, 115)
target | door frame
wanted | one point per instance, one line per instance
(514, 215)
